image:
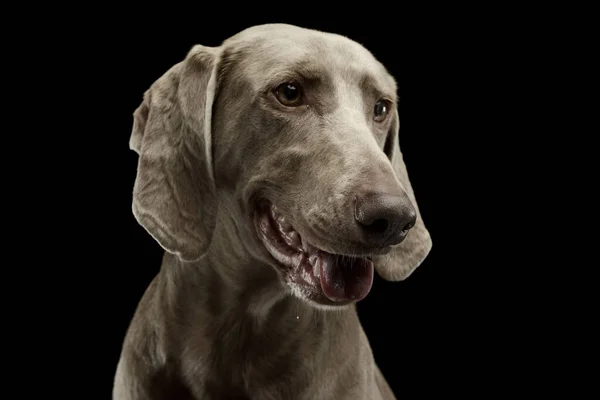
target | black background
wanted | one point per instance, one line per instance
(416, 327)
(456, 326)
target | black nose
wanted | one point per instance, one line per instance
(384, 219)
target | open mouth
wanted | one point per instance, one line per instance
(321, 276)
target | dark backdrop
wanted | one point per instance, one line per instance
(437, 331)
(483, 105)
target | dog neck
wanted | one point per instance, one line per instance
(244, 310)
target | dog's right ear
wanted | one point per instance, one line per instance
(174, 191)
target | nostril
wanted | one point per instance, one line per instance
(378, 226)
(410, 224)
(383, 219)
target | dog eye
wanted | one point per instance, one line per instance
(381, 110)
(289, 94)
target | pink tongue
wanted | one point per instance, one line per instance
(345, 278)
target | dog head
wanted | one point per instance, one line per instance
(299, 130)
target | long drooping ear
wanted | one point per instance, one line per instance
(174, 191)
(408, 255)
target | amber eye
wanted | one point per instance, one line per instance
(289, 94)
(382, 108)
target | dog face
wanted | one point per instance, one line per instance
(298, 129)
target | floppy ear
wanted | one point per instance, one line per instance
(174, 191)
(408, 255)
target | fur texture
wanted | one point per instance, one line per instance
(220, 321)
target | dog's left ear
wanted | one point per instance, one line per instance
(409, 254)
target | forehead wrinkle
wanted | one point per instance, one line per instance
(370, 84)
(365, 81)
(366, 69)
(356, 63)
(263, 58)
(278, 60)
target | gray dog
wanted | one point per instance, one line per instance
(270, 171)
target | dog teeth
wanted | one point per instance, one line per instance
(305, 245)
(283, 223)
(294, 238)
(275, 214)
(313, 261)
(309, 248)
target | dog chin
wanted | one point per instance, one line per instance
(327, 280)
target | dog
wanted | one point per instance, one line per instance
(270, 172)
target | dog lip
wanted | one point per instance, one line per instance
(351, 249)
(276, 233)
(332, 278)
(280, 234)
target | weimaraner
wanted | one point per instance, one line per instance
(270, 172)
